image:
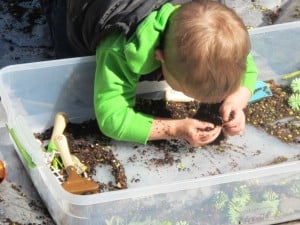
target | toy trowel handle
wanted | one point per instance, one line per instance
(60, 123)
(62, 145)
(75, 183)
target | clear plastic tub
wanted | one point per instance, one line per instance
(236, 186)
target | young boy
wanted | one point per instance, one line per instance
(202, 48)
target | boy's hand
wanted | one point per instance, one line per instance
(234, 119)
(195, 132)
(232, 111)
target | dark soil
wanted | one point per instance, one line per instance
(181, 110)
(24, 11)
(93, 148)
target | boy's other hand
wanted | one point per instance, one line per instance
(234, 119)
(232, 111)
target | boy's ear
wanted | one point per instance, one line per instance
(159, 55)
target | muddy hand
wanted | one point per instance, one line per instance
(236, 125)
(209, 135)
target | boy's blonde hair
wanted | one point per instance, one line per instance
(205, 48)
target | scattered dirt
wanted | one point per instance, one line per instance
(271, 114)
(274, 116)
(93, 148)
(24, 32)
(269, 15)
(24, 11)
(277, 160)
(181, 110)
(297, 12)
(34, 205)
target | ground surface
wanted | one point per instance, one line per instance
(25, 38)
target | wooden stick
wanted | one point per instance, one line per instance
(64, 151)
(60, 123)
(291, 75)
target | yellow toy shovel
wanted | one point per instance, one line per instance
(75, 183)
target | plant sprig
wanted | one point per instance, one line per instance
(221, 199)
(296, 189)
(295, 85)
(240, 198)
(291, 75)
(294, 101)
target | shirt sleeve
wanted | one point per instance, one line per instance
(114, 99)
(250, 76)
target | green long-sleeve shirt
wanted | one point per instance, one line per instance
(120, 64)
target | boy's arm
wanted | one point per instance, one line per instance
(114, 99)
(250, 76)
